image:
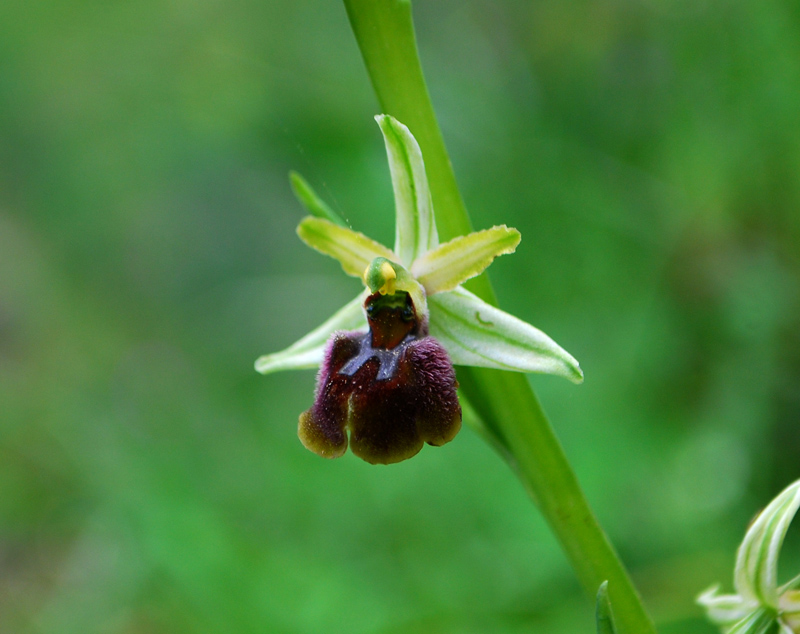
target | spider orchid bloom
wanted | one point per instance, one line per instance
(760, 605)
(387, 356)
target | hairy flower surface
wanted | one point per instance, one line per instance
(387, 357)
(393, 387)
(760, 605)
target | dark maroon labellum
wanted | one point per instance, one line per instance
(393, 388)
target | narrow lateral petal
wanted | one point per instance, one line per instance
(353, 250)
(756, 572)
(308, 351)
(475, 333)
(313, 203)
(454, 262)
(415, 228)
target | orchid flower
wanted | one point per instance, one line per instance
(387, 356)
(760, 605)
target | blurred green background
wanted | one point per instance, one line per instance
(152, 482)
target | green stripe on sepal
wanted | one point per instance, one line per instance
(603, 614)
(761, 621)
(308, 351)
(313, 203)
(476, 333)
(353, 250)
(462, 258)
(415, 228)
(756, 572)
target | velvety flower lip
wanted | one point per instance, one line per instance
(393, 388)
(451, 325)
(760, 605)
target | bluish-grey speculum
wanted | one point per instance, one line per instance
(392, 326)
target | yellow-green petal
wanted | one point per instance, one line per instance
(456, 261)
(308, 351)
(353, 250)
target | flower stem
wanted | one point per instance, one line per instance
(505, 401)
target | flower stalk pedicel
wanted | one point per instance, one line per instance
(387, 356)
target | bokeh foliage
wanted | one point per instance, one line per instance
(150, 481)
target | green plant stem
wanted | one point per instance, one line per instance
(505, 401)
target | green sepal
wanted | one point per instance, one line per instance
(353, 250)
(313, 203)
(760, 621)
(603, 614)
(724, 609)
(415, 227)
(462, 258)
(478, 334)
(759, 603)
(308, 351)
(756, 572)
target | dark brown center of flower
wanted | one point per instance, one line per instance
(391, 318)
(393, 324)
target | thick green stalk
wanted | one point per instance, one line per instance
(505, 401)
